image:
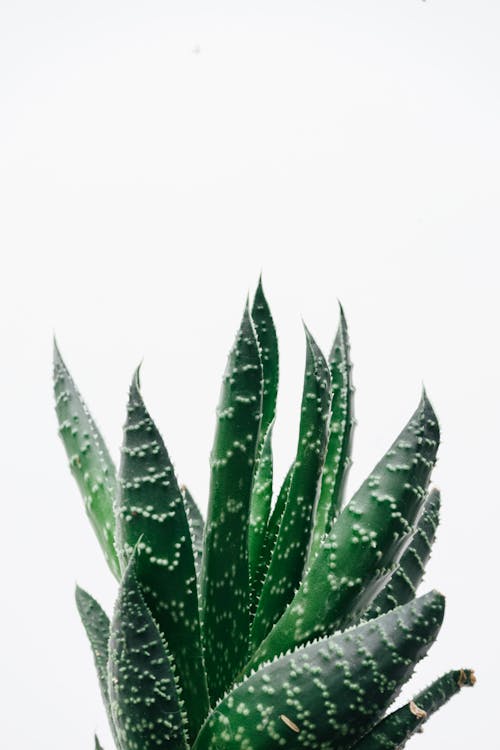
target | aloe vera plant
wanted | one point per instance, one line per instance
(288, 622)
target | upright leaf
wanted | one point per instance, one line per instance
(274, 522)
(403, 584)
(196, 527)
(365, 543)
(269, 540)
(97, 745)
(89, 460)
(260, 506)
(393, 732)
(225, 577)
(339, 437)
(151, 514)
(96, 624)
(268, 345)
(329, 692)
(143, 691)
(289, 552)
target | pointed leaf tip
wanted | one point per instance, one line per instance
(89, 459)
(428, 409)
(166, 568)
(55, 349)
(136, 648)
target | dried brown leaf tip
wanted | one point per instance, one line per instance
(466, 678)
(289, 723)
(416, 711)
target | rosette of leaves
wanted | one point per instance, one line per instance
(287, 619)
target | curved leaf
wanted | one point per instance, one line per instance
(331, 690)
(89, 460)
(225, 575)
(151, 514)
(143, 691)
(290, 550)
(404, 582)
(393, 732)
(365, 543)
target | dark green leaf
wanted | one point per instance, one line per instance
(152, 515)
(406, 579)
(196, 526)
(143, 691)
(337, 457)
(225, 577)
(365, 543)
(260, 506)
(332, 690)
(289, 552)
(269, 541)
(268, 346)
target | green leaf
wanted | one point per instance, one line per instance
(196, 527)
(225, 576)
(365, 543)
(152, 516)
(337, 458)
(290, 550)
(89, 460)
(143, 691)
(269, 540)
(329, 692)
(268, 346)
(98, 745)
(260, 506)
(403, 584)
(393, 732)
(278, 510)
(96, 624)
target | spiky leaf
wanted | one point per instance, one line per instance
(290, 550)
(404, 582)
(96, 624)
(225, 575)
(269, 540)
(98, 745)
(152, 515)
(339, 437)
(268, 345)
(393, 732)
(196, 527)
(260, 506)
(89, 459)
(365, 543)
(330, 691)
(143, 690)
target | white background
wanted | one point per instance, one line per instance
(155, 157)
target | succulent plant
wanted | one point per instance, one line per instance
(288, 623)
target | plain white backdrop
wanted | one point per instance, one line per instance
(155, 157)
